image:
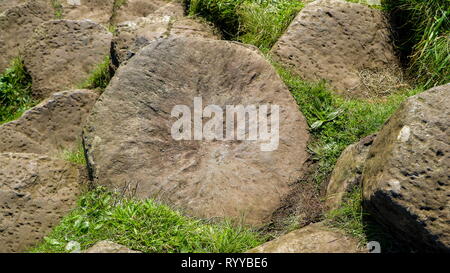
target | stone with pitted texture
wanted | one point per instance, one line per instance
(17, 24)
(406, 180)
(131, 36)
(62, 54)
(35, 193)
(51, 127)
(7, 4)
(340, 42)
(99, 11)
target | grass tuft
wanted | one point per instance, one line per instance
(145, 226)
(349, 217)
(99, 77)
(58, 8)
(256, 22)
(15, 92)
(263, 22)
(75, 156)
(424, 37)
(222, 13)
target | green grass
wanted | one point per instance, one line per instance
(263, 22)
(336, 122)
(75, 156)
(15, 92)
(349, 217)
(256, 22)
(145, 226)
(424, 37)
(222, 13)
(58, 8)
(99, 77)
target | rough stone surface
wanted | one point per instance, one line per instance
(128, 134)
(406, 178)
(131, 36)
(134, 35)
(6, 4)
(134, 9)
(17, 25)
(109, 247)
(99, 11)
(348, 171)
(51, 127)
(172, 9)
(188, 27)
(35, 192)
(315, 238)
(61, 54)
(337, 41)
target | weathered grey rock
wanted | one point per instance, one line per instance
(347, 173)
(406, 176)
(337, 41)
(51, 127)
(131, 36)
(35, 192)
(128, 134)
(315, 238)
(99, 11)
(133, 9)
(17, 24)
(61, 54)
(109, 247)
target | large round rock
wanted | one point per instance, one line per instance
(406, 176)
(347, 44)
(130, 146)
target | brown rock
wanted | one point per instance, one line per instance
(61, 54)
(339, 41)
(133, 9)
(50, 127)
(131, 36)
(99, 11)
(172, 9)
(189, 27)
(128, 134)
(35, 192)
(315, 238)
(7, 4)
(406, 178)
(348, 171)
(109, 247)
(16, 26)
